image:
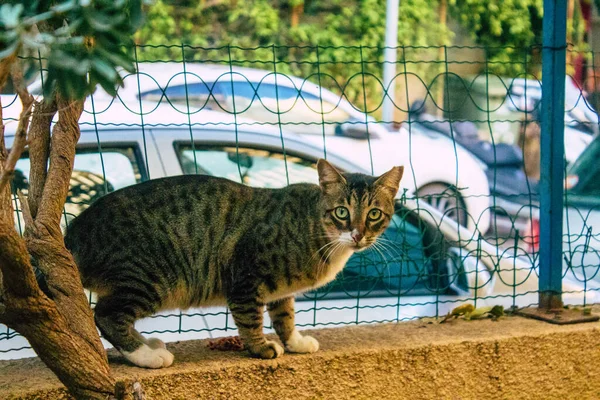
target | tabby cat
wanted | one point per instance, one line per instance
(195, 240)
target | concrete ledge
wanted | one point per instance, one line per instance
(513, 358)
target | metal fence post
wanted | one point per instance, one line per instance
(552, 149)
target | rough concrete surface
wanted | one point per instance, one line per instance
(513, 358)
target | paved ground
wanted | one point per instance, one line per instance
(508, 359)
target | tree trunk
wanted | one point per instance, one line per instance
(297, 11)
(58, 324)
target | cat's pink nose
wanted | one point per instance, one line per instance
(356, 236)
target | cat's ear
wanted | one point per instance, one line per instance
(390, 181)
(328, 175)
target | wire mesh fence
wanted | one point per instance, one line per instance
(466, 227)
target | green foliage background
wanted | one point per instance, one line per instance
(508, 28)
(81, 36)
(349, 34)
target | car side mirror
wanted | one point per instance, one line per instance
(353, 129)
(417, 108)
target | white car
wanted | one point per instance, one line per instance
(430, 264)
(442, 174)
(447, 177)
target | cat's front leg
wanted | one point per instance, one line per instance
(248, 316)
(281, 313)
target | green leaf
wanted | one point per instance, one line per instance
(497, 311)
(105, 69)
(117, 59)
(103, 23)
(478, 313)
(62, 60)
(463, 309)
(9, 15)
(64, 6)
(136, 16)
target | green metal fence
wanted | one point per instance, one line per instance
(467, 130)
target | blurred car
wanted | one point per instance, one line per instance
(426, 263)
(453, 182)
(581, 120)
(514, 196)
(276, 99)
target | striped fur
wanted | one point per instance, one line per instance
(196, 240)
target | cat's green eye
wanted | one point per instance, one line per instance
(374, 214)
(341, 212)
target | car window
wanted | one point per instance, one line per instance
(198, 94)
(263, 90)
(252, 167)
(297, 110)
(94, 175)
(178, 91)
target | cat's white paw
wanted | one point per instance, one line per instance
(276, 348)
(156, 343)
(268, 350)
(301, 344)
(147, 357)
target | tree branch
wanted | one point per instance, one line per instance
(6, 173)
(44, 237)
(65, 135)
(5, 203)
(3, 152)
(6, 210)
(18, 278)
(16, 73)
(15, 152)
(39, 151)
(5, 68)
(25, 210)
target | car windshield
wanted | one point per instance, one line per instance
(94, 175)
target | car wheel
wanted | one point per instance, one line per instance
(446, 199)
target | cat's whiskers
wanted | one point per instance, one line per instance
(327, 253)
(331, 243)
(376, 246)
(333, 249)
(386, 247)
(330, 252)
(390, 245)
(323, 251)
